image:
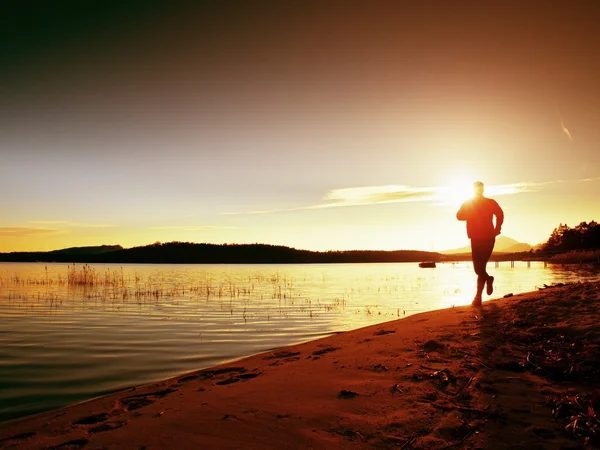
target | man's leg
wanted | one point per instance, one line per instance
(486, 252)
(479, 268)
(481, 250)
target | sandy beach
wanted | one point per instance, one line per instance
(518, 373)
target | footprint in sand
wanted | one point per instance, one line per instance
(236, 378)
(187, 378)
(108, 426)
(99, 419)
(282, 356)
(346, 395)
(18, 437)
(379, 368)
(91, 420)
(75, 444)
(383, 332)
(212, 373)
(138, 401)
(433, 346)
(325, 350)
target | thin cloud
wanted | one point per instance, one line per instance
(566, 131)
(455, 195)
(563, 127)
(68, 224)
(91, 225)
(435, 195)
(368, 195)
(516, 188)
(16, 232)
(49, 222)
(376, 195)
(379, 194)
(191, 228)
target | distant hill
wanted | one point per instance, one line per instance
(504, 244)
(72, 254)
(97, 250)
(191, 253)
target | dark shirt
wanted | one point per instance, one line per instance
(479, 213)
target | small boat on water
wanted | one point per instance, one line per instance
(427, 264)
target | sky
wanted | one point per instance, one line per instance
(317, 125)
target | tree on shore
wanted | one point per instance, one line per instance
(585, 236)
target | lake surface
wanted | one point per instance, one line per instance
(70, 333)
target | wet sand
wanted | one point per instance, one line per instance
(518, 373)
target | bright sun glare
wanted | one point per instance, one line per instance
(458, 190)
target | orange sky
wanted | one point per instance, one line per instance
(321, 127)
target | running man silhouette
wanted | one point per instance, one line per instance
(479, 213)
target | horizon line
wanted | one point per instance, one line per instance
(250, 244)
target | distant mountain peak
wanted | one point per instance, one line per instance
(90, 250)
(504, 244)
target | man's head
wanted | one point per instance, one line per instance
(478, 189)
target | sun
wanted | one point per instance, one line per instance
(458, 189)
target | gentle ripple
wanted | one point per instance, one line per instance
(60, 345)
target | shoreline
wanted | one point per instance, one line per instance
(461, 377)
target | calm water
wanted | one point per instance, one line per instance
(64, 342)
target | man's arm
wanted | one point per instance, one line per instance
(462, 213)
(499, 217)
